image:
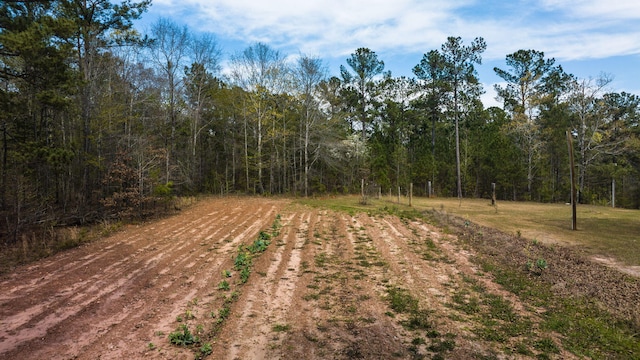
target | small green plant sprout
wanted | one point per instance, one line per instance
(264, 236)
(275, 228)
(242, 260)
(151, 346)
(281, 328)
(261, 243)
(189, 315)
(536, 267)
(206, 349)
(226, 273)
(244, 275)
(199, 329)
(541, 264)
(224, 285)
(224, 312)
(182, 336)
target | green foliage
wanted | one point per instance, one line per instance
(401, 301)
(224, 312)
(260, 244)
(163, 190)
(223, 285)
(536, 267)
(281, 328)
(244, 274)
(588, 331)
(418, 320)
(242, 260)
(206, 350)
(182, 336)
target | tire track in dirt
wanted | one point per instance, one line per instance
(98, 299)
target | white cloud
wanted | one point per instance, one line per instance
(403, 30)
(618, 10)
(334, 28)
(489, 97)
(328, 27)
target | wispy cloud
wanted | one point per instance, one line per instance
(563, 29)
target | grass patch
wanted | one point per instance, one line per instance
(584, 328)
(588, 331)
(401, 301)
(281, 328)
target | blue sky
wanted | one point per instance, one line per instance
(586, 37)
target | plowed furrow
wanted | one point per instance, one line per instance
(101, 298)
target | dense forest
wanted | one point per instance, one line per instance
(100, 121)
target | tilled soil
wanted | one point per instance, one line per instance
(319, 291)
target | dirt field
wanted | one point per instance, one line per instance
(329, 286)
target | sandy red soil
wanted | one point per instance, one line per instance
(318, 292)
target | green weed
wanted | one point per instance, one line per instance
(182, 336)
(281, 328)
(224, 285)
(206, 350)
(401, 301)
(242, 260)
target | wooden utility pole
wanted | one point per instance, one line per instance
(574, 224)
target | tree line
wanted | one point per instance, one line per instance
(100, 121)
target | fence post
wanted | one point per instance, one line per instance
(574, 223)
(493, 194)
(613, 193)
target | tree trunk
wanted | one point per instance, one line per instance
(457, 115)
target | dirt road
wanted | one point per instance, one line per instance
(329, 286)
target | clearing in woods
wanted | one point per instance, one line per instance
(329, 285)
